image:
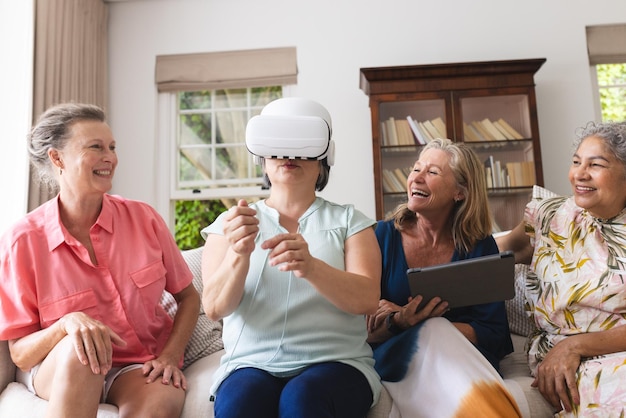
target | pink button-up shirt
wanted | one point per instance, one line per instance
(46, 273)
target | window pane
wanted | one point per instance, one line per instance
(261, 96)
(231, 127)
(195, 129)
(613, 102)
(195, 165)
(232, 98)
(612, 91)
(232, 162)
(195, 100)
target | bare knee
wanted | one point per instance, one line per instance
(136, 398)
(151, 412)
(63, 367)
(153, 407)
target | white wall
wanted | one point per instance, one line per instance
(334, 39)
(16, 49)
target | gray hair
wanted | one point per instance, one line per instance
(613, 134)
(52, 130)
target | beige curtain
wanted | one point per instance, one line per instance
(606, 44)
(70, 62)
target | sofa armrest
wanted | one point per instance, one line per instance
(7, 368)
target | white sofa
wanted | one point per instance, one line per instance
(17, 402)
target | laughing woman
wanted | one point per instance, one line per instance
(434, 361)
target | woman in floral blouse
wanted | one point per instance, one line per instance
(575, 293)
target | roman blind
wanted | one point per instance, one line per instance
(226, 70)
(606, 44)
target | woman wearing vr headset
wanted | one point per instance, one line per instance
(435, 361)
(292, 276)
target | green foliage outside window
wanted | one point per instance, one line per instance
(191, 217)
(612, 89)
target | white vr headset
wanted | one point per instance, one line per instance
(291, 128)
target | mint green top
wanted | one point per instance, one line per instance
(282, 323)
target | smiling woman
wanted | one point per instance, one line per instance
(428, 353)
(90, 269)
(575, 292)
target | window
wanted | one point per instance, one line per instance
(205, 102)
(607, 57)
(211, 159)
(612, 91)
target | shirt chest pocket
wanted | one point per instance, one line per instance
(84, 301)
(150, 280)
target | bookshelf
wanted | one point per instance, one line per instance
(489, 105)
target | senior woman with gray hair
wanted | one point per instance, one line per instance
(576, 247)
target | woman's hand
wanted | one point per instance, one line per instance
(167, 368)
(241, 227)
(556, 376)
(92, 340)
(406, 315)
(290, 252)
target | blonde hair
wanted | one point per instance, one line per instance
(471, 217)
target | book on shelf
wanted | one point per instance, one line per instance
(509, 129)
(489, 172)
(420, 139)
(521, 173)
(401, 175)
(495, 133)
(432, 130)
(528, 173)
(484, 133)
(470, 134)
(440, 126)
(405, 136)
(503, 131)
(388, 186)
(384, 139)
(427, 136)
(392, 134)
(496, 173)
(392, 182)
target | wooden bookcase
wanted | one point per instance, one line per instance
(461, 99)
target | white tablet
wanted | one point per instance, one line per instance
(473, 281)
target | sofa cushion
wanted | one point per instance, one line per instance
(17, 402)
(519, 321)
(518, 380)
(207, 335)
(7, 368)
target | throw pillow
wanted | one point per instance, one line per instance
(207, 335)
(519, 321)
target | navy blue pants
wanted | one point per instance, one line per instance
(322, 390)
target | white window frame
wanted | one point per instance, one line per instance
(604, 46)
(167, 192)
